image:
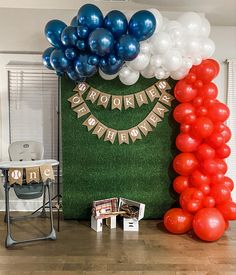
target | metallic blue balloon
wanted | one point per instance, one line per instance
(59, 61)
(74, 22)
(109, 67)
(116, 22)
(83, 68)
(69, 36)
(90, 16)
(73, 75)
(127, 47)
(82, 32)
(53, 30)
(46, 57)
(142, 25)
(93, 60)
(101, 42)
(81, 45)
(71, 53)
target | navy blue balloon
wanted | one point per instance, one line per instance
(81, 45)
(73, 75)
(90, 16)
(93, 60)
(53, 31)
(59, 61)
(71, 53)
(83, 68)
(127, 47)
(116, 22)
(69, 36)
(109, 67)
(82, 32)
(46, 57)
(101, 42)
(142, 25)
(74, 22)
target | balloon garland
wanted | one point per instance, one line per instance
(205, 191)
(126, 46)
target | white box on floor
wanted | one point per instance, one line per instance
(132, 224)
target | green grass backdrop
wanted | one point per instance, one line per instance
(94, 169)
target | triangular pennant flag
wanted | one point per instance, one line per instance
(166, 98)
(152, 93)
(82, 110)
(153, 119)
(103, 99)
(141, 98)
(134, 134)
(116, 102)
(46, 172)
(160, 110)
(163, 85)
(123, 137)
(81, 87)
(75, 100)
(32, 174)
(90, 122)
(128, 101)
(110, 135)
(15, 175)
(99, 130)
(93, 95)
(145, 127)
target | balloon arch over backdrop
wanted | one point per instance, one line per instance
(144, 43)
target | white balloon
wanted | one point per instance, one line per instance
(165, 21)
(148, 72)
(172, 60)
(145, 47)
(191, 22)
(206, 28)
(124, 71)
(140, 62)
(130, 78)
(197, 60)
(192, 46)
(207, 48)
(179, 74)
(160, 73)
(175, 30)
(160, 43)
(167, 75)
(107, 76)
(159, 19)
(156, 60)
(187, 63)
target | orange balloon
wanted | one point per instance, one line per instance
(178, 221)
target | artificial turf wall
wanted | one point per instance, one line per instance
(94, 169)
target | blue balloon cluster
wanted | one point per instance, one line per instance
(93, 41)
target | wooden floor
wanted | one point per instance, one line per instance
(80, 250)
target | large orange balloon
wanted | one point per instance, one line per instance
(202, 127)
(209, 224)
(228, 210)
(184, 92)
(185, 163)
(178, 221)
(185, 143)
(220, 193)
(218, 112)
(180, 183)
(183, 110)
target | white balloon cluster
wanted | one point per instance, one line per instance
(171, 51)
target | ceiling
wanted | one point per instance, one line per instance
(218, 12)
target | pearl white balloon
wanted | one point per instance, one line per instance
(175, 30)
(130, 78)
(165, 22)
(179, 74)
(192, 46)
(205, 28)
(145, 47)
(167, 75)
(187, 63)
(124, 71)
(172, 60)
(207, 48)
(140, 62)
(107, 76)
(197, 60)
(160, 73)
(156, 60)
(160, 43)
(148, 72)
(191, 22)
(159, 19)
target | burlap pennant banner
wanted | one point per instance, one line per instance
(15, 175)
(32, 174)
(46, 172)
(119, 102)
(156, 91)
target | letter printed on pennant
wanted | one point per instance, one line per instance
(166, 98)
(116, 102)
(82, 110)
(153, 119)
(81, 88)
(160, 110)
(90, 122)
(141, 98)
(32, 174)
(110, 135)
(129, 101)
(46, 172)
(123, 137)
(99, 130)
(15, 175)
(145, 127)
(152, 93)
(75, 100)
(162, 85)
(103, 99)
(93, 95)
(134, 134)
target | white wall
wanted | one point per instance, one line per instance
(21, 30)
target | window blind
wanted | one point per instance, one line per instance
(231, 122)
(33, 107)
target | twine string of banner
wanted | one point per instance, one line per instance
(144, 127)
